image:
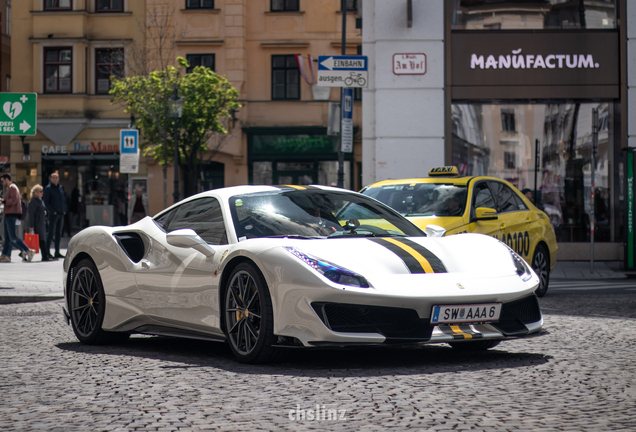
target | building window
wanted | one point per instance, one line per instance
(57, 4)
(285, 5)
(109, 6)
(109, 63)
(58, 70)
(195, 60)
(352, 5)
(199, 4)
(285, 78)
(508, 120)
(509, 160)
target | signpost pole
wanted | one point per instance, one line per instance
(343, 51)
(536, 169)
(593, 163)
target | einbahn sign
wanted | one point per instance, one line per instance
(343, 71)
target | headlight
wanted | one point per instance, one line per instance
(523, 270)
(330, 271)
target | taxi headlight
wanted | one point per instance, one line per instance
(329, 270)
(523, 270)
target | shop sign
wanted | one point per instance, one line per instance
(535, 59)
(409, 64)
(77, 147)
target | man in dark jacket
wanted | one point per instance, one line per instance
(37, 219)
(55, 202)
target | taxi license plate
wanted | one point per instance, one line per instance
(465, 313)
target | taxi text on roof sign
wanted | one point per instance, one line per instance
(444, 171)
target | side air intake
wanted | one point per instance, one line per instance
(132, 244)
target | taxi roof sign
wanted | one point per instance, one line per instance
(443, 171)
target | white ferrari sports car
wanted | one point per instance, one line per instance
(269, 267)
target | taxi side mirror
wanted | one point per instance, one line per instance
(485, 213)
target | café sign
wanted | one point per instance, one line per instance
(77, 147)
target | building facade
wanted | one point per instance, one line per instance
(508, 91)
(68, 50)
(5, 72)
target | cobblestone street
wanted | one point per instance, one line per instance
(579, 377)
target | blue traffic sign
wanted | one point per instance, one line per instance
(129, 141)
(343, 63)
(347, 96)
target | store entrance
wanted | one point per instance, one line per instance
(96, 191)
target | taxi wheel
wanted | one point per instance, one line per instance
(541, 266)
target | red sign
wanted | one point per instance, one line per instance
(409, 64)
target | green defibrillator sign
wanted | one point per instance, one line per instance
(18, 113)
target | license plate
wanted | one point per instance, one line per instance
(465, 313)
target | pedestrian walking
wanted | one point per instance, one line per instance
(55, 202)
(12, 213)
(37, 219)
(138, 206)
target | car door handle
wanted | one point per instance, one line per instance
(528, 220)
(502, 226)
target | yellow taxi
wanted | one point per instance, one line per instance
(485, 205)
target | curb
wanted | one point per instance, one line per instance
(12, 299)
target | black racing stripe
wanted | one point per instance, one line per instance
(436, 264)
(411, 263)
(449, 331)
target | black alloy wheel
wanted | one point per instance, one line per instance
(541, 266)
(88, 306)
(248, 316)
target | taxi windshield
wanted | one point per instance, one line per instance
(315, 214)
(422, 199)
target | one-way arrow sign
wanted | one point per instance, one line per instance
(24, 126)
(343, 71)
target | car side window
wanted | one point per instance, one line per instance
(483, 196)
(507, 200)
(164, 219)
(204, 216)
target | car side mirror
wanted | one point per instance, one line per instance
(434, 231)
(485, 213)
(187, 238)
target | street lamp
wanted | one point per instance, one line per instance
(175, 103)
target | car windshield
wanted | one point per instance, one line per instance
(315, 214)
(422, 199)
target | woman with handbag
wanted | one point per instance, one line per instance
(37, 219)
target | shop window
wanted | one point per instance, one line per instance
(510, 160)
(285, 5)
(285, 78)
(109, 65)
(564, 134)
(204, 216)
(109, 6)
(199, 4)
(58, 64)
(195, 60)
(57, 4)
(508, 120)
(539, 15)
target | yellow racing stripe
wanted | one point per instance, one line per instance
(415, 254)
(457, 330)
(295, 187)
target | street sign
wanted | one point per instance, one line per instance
(347, 120)
(343, 71)
(129, 151)
(19, 114)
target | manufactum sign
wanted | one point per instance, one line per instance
(409, 64)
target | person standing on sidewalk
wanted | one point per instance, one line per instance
(55, 202)
(12, 212)
(37, 219)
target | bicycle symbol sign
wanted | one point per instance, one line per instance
(343, 71)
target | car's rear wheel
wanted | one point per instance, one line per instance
(88, 306)
(248, 316)
(541, 266)
(474, 345)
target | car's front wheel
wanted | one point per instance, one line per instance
(248, 316)
(88, 306)
(541, 266)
